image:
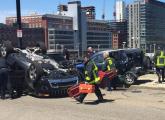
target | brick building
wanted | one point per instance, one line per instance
(119, 33)
(31, 36)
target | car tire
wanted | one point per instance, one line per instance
(130, 78)
(3, 51)
(34, 74)
(6, 48)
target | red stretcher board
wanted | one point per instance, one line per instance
(110, 74)
(81, 88)
(103, 75)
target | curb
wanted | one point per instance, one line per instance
(147, 87)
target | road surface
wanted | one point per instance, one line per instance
(131, 104)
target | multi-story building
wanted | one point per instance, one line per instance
(62, 8)
(59, 31)
(90, 12)
(98, 35)
(31, 36)
(79, 24)
(120, 10)
(91, 32)
(63, 24)
(119, 33)
(146, 24)
(70, 28)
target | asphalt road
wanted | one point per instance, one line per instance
(131, 104)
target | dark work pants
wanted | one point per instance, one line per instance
(160, 73)
(97, 92)
(3, 83)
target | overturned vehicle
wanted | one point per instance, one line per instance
(38, 73)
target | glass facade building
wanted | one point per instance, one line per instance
(146, 24)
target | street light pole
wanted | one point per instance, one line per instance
(56, 45)
(145, 47)
(98, 49)
(78, 47)
(19, 27)
(124, 44)
(154, 47)
(150, 48)
(62, 48)
(132, 42)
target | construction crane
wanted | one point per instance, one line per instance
(114, 13)
(103, 15)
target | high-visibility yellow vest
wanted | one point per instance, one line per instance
(110, 62)
(95, 74)
(160, 60)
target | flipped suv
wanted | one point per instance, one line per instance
(40, 74)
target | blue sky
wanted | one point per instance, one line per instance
(7, 7)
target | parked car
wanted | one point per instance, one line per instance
(41, 74)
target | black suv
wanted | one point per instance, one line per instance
(128, 62)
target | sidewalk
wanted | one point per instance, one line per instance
(149, 81)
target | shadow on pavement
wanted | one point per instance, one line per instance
(97, 102)
(139, 82)
(50, 97)
(120, 89)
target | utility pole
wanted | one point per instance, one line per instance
(19, 26)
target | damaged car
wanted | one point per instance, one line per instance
(40, 74)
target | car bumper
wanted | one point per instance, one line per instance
(56, 87)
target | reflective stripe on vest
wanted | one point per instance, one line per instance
(95, 74)
(160, 60)
(87, 76)
(109, 64)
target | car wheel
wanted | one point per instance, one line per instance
(3, 51)
(129, 78)
(33, 75)
(6, 48)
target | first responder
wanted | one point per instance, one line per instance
(91, 76)
(3, 73)
(109, 64)
(159, 60)
(90, 52)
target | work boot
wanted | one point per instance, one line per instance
(160, 81)
(100, 98)
(2, 97)
(99, 101)
(79, 100)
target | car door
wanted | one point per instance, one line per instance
(99, 60)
